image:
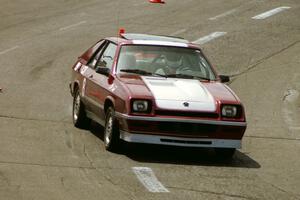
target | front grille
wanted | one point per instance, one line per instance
(187, 128)
(187, 114)
(186, 141)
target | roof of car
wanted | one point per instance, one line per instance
(147, 39)
(138, 36)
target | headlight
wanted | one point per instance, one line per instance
(141, 106)
(229, 111)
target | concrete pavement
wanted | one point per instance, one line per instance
(42, 156)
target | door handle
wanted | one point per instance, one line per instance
(91, 76)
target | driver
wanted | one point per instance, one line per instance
(172, 62)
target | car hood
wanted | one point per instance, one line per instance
(182, 94)
(135, 86)
(179, 94)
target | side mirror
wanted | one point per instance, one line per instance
(103, 70)
(224, 78)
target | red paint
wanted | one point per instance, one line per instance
(121, 31)
(121, 88)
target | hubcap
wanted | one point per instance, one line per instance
(76, 107)
(108, 130)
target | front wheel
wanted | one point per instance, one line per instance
(225, 153)
(111, 131)
(80, 120)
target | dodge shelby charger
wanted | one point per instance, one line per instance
(156, 90)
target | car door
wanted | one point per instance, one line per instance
(88, 83)
(99, 84)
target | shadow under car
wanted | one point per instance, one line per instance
(148, 153)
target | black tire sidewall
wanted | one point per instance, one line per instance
(75, 121)
(82, 120)
(114, 140)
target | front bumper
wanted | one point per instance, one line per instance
(179, 141)
(181, 131)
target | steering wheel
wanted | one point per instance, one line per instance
(184, 69)
(159, 65)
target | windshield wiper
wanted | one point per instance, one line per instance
(142, 72)
(135, 71)
(187, 76)
(180, 76)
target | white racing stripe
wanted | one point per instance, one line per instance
(147, 177)
(8, 50)
(223, 14)
(71, 26)
(209, 37)
(270, 12)
(174, 94)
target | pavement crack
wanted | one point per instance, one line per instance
(272, 138)
(96, 168)
(88, 158)
(68, 139)
(33, 119)
(290, 95)
(38, 69)
(45, 165)
(250, 67)
(4, 178)
(285, 96)
(214, 193)
(62, 181)
(107, 177)
(279, 188)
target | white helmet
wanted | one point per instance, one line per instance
(173, 59)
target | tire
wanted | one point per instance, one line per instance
(80, 120)
(111, 132)
(225, 153)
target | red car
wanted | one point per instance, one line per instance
(156, 90)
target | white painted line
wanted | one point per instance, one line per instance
(209, 37)
(270, 12)
(8, 50)
(71, 26)
(147, 177)
(178, 32)
(223, 14)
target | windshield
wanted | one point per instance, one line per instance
(164, 61)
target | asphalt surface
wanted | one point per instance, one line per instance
(42, 156)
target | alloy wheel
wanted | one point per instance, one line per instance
(108, 130)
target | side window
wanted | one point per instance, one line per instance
(93, 61)
(107, 57)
